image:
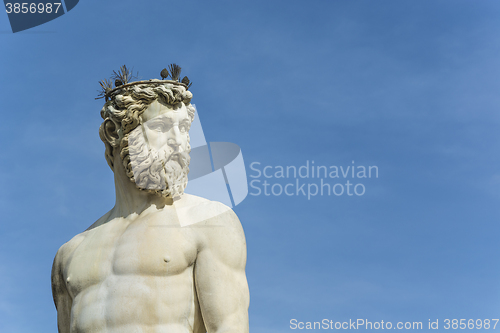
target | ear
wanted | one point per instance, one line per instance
(111, 132)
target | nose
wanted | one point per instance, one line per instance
(175, 138)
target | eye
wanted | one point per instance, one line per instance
(158, 127)
(184, 127)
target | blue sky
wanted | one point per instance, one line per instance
(409, 86)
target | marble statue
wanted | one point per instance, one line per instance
(139, 268)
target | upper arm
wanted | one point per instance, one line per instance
(62, 299)
(220, 278)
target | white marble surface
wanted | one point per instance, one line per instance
(159, 260)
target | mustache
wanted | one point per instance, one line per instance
(182, 158)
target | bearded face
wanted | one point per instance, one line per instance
(159, 151)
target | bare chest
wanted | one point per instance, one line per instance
(142, 249)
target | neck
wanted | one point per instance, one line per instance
(131, 200)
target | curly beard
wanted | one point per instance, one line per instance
(156, 171)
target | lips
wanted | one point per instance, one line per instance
(181, 158)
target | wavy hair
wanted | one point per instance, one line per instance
(125, 107)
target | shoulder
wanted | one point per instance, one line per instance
(61, 259)
(219, 231)
(193, 210)
(67, 249)
(204, 213)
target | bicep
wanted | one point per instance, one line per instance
(221, 281)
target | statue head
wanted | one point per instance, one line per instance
(146, 128)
